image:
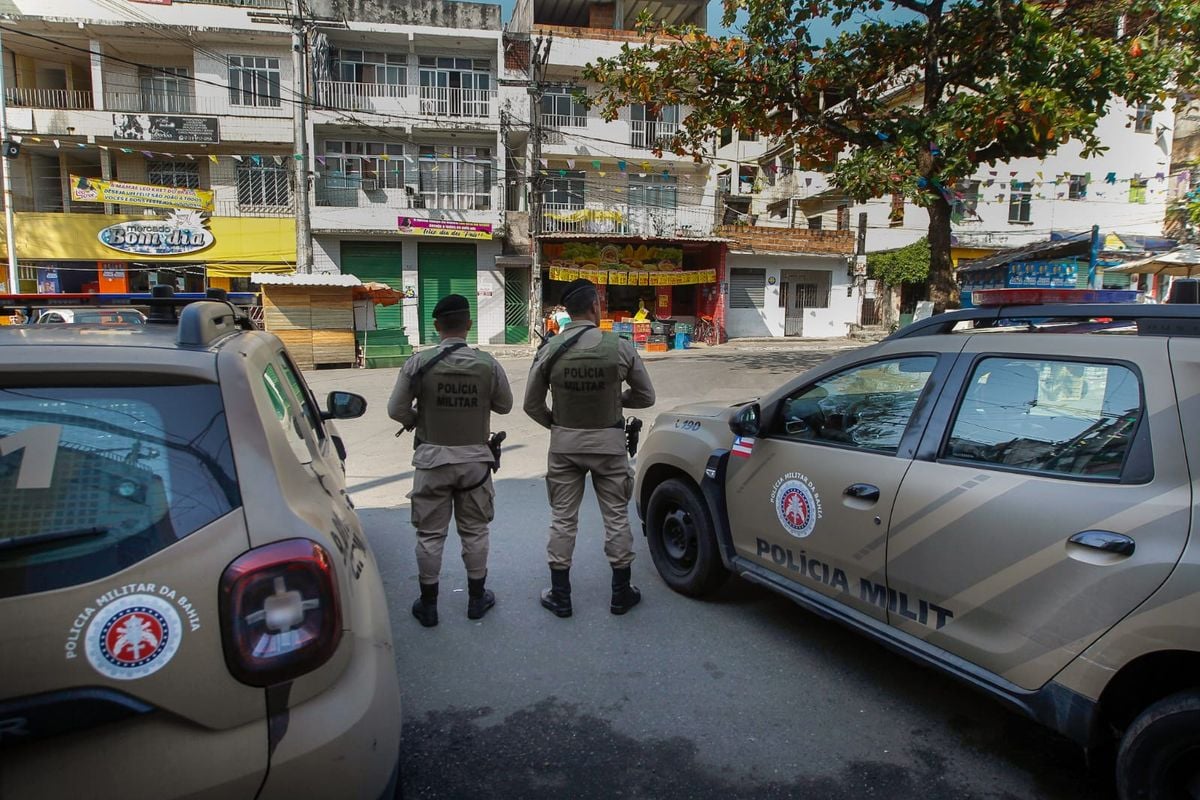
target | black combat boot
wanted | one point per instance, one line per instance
(624, 596)
(425, 606)
(480, 599)
(558, 597)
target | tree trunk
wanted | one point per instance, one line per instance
(943, 289)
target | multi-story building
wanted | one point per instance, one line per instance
(608, 206)
(193, 97)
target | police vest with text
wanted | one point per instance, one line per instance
(454, 399)
(586, 383)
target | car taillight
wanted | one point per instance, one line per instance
(279, 612)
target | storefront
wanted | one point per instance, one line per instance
(124, 253)
(671, 280)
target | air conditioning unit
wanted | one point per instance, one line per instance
(369, 185)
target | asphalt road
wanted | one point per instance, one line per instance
(741, 696)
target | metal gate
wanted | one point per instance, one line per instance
(444, 269)
(801, 290)
(516, 305)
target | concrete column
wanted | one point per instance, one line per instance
(97, 59)
(64, 181)
(106, 172)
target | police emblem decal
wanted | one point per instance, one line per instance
(796, 504)
(133, 638)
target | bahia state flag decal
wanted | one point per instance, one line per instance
(743, 446)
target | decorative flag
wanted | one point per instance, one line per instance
(601, 174)
(883, 137)
(278, 161)
(1110, 177)
(298, 156)
(238, 159)
(385, 157)
(57, 144)
(596, 164)
(321, 160)
(147, 154)
(645, 166)
(35, 138)
(80, 145)
(256, 160)
(562, 173)
(621, 166)
(1158, 176)
(101, 146)
(190, 157)
(641, 174)
(1039, 174)
(545, 162)
(570, 163)
(213, 158)
(743, 446)
(126, 150)
(934, 150)
(665, 174)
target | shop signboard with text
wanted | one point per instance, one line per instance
(415, 226)
(95, 190)
(166, 128)
(181, 233)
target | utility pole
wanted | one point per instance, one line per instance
(10, 236)
(537, 77)
(304, 245)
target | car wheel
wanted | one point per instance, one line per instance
(1159, 757)
(682, 543)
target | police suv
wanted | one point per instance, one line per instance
(1007, 493)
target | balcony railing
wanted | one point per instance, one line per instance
(561, 121)
(649, 134)
(49, 98)
(622, 220)
(151, 103)
(351, 96)
(335, 191)
(441, 101)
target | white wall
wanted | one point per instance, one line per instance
(768, 321)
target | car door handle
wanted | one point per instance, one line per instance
(1105, 541)
(862, 491)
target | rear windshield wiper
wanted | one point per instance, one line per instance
(17, 542)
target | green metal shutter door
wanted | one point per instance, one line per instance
(380, 262)
(444, 269)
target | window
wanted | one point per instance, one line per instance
(560, 109)
(263, 184)
(653, 128)
(1143, 118)
(381, 69)
(816, 223)
(302, 393)
(288, 413)
(456, 87)
(455, 177)
(364, 161)
(106, 476)
(726, 136)
(967, 203)
(181, 174)
(254, 81)
(746, 136)
(1137, 190)
(747, 287)
(1019, 202)
(1062, 417)
(1077, 187)
(653, 191)
(805, 288)
(867, 406)
(896, 213)
(165, 89)
(564, 191)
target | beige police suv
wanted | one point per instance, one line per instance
(188, 604)
(1006, 493)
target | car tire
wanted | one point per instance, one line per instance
(1159, 756)
(682, 543)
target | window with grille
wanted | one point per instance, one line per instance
(747, 287)
(381, 163)
(165, 89)
(810, 287)
(181, 174)
(560, 108)
(1077, 187)
(254, 81)
(564, 191)
(456, 177)
(263, 184)
(653, 191)
(652, 128)
(1020, 201)
(361, 66)
(967, 201)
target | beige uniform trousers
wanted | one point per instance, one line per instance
(436, 493)
(612, 479)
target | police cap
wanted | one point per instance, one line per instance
(451, 304)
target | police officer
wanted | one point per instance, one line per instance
(583, 368)
(455, 388)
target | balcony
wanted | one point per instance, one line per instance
(148, 103)
(556, 121)
(625, 220)
(353, 203)
(433, 102)
(349, 96)
(646, 135)
(441, 101)
(70, 99)
(788, 240)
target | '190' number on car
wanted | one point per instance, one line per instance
(687, 424)
(40, 444)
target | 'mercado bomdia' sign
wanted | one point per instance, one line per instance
(181, 233)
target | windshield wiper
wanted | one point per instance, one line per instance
(17, 542)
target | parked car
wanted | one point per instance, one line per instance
(1004, 493)
(89, 316)
(189, 605)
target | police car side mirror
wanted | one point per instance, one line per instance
(344, 405)
(746, 421)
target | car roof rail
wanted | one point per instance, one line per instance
(1151, 319)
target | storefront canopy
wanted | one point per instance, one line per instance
(1180, 261)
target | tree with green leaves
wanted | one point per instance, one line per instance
(909, 107)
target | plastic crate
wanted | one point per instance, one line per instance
(623, 327)
(641, 327)
(626, 336)
(656, 347)
(685, 327)
(682, 341)
(657, 339)
(640, 337)
(606, 324)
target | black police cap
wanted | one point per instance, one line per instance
(451, 304)
(576, 285)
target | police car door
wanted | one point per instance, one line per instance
(1048, 499)
(811, 498)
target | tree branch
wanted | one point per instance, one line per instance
(913, 5)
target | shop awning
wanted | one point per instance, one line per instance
(246, 270)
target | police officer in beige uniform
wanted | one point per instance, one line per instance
(583, 368)
(455, 388)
